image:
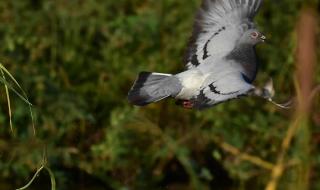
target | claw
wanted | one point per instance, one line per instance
(268, 92)
(286, 105)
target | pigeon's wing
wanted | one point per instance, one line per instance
(218, 25)
(214, 91)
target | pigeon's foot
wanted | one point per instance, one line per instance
(267, 92)
(187, 104)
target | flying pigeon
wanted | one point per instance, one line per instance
(221, 59)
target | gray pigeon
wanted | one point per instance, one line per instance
(221, 59)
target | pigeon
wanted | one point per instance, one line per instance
(221, 61)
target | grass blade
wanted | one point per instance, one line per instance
(24, 96)
(8, 101)
(52, 178)
(15, 91)
(32, 179)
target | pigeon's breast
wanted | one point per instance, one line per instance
(191, 81)
(245, 57)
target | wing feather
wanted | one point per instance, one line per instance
(217, 27)
(217, 91)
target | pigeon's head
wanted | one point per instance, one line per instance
(253, 37)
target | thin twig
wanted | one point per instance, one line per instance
(278, 169)
(246, 157)
(234, 151)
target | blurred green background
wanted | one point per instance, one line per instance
(77, 59)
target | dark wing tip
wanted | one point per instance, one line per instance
(142, 78)
(134, 97)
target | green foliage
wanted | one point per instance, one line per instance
(77, 60)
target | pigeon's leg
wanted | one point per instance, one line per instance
(187, 104)
(267, 92)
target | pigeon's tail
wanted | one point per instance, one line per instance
(152, 87)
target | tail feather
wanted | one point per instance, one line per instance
(152, 87)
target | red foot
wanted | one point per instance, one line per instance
(187, 104)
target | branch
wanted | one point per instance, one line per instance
(246, 157)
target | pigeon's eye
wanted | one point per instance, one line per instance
(254, 35)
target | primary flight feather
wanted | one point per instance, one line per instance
(221, 59)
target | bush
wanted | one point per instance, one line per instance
(77, 60)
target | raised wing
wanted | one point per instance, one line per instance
(218, 25)
(214, 92)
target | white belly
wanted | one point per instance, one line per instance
(191, 81)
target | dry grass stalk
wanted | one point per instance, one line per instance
(306, 57)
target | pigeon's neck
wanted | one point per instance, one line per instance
(245, 55)
(243, 47)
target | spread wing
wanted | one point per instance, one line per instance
(218, 25)
(214, 92)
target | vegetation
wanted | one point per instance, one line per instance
(76, 60)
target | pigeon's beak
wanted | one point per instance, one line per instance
(263, 38)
